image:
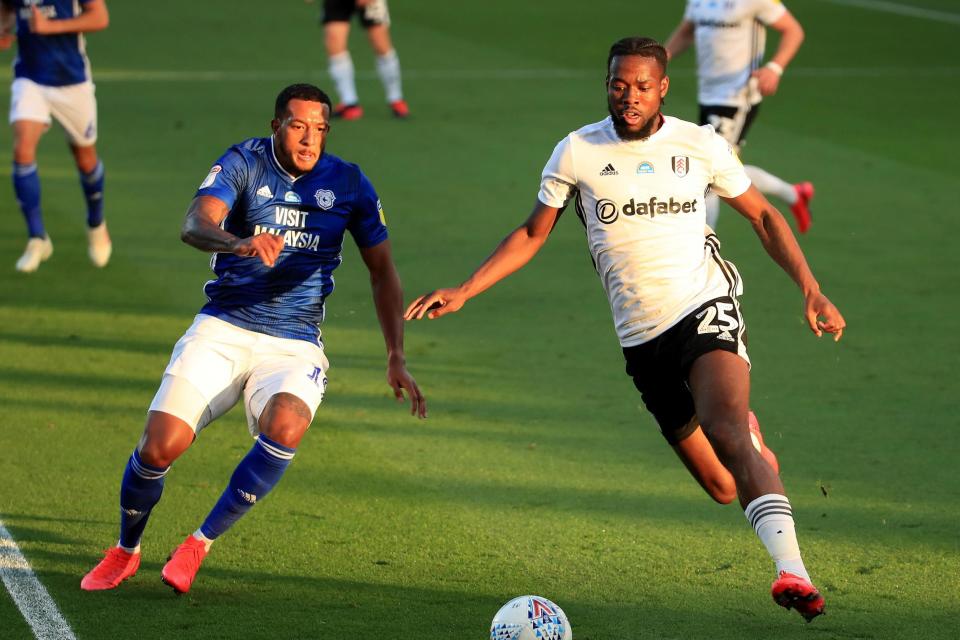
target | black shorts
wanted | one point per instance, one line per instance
(660, 368)
(375, 13)
(732, 123)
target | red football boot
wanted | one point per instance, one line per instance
(400, 109)
(793, 592)
(801, 208)
(116, 566)
(348, 112)
(183, 564)
(757, 438)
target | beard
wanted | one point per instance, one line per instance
(625, 133)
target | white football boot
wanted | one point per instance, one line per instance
(37, 251)
(100, 246)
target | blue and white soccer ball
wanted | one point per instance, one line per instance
(530, 618)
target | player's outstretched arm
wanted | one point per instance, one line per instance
(93, 17)
(388, 300)
(201, 229)
(513, 252)
(781, 245)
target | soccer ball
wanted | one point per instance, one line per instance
(530, 618)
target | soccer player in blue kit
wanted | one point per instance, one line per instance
(52, 79)
(274, 212)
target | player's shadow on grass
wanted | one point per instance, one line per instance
(86, 341)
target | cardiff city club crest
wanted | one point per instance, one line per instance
(325, 198)
(681, 165)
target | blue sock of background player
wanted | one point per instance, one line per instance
(26, 185)
(92, 184)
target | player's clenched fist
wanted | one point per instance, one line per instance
(265, 246)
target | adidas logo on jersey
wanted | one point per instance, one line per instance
(609, 171)
(725, 335)
(264, 192)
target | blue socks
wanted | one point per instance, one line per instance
(253, 479)
(139, 492)
(92, 184)
(26, 185)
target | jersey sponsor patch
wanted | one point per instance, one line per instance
(325, 198)
(644, 168)
(292, 197)
(211, 177)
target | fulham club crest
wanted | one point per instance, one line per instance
(681, 165)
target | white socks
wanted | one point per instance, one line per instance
(771, 184)
(341, 69)
(388, 68)
(207, 542)
(771, 517)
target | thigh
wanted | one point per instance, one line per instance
(28, 103)
(720, 386)
(338, 10)
(655, 369)
(284, 366)
(75, 108)
(212, 361)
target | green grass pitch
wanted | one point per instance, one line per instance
(537, 471)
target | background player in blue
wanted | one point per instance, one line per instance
(52, 78)
(274, 212)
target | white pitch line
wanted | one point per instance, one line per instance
(36, 605)
(902, 9)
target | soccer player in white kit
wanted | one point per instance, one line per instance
(730, 36)
(637, 179)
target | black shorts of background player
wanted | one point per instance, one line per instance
(374, 16)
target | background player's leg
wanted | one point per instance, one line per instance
(798, 195)
(335, 35)
(26, 186)
(720, 384)
(388, 67)
(92, 177)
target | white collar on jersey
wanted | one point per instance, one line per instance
(277, 162)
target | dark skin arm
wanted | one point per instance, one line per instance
(201, 229)
(781, 245)
(93, 17)
(514, 251)
(388, 300)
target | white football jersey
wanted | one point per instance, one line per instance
(642, 204)
(730, 38)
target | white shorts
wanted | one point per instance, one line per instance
(74, 107)
(216, 362)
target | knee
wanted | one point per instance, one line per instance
(722, 490)
(24, 152)
(164, 439)
(159, 453)
(285, 419)
(730, 441)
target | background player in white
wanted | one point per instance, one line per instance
(374, 16)
(52, 78)
(274, 211)
(730, 37)
(638, 180)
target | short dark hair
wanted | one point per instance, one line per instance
(638, 46)
(300, 91)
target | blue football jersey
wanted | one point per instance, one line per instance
(312, 212)
(54, 60)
